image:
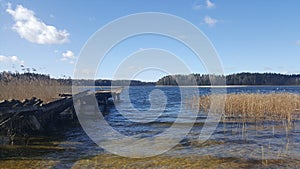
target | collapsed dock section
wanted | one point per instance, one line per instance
(33, 116)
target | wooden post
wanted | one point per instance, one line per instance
(114, 96)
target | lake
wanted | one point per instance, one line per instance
(265, 145)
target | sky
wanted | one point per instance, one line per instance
(249, 36)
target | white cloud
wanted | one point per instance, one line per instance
(209, 4)
(31, 28)
(11, 60)
(210, 21)
(298, 42)
(68, 56)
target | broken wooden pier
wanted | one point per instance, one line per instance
(32, 116)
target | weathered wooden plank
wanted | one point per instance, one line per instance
(34, 123)
(30, 115)
(10, 103)
(65, 95)
(31, 102)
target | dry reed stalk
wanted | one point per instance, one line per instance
(46, 93)
(269, 107)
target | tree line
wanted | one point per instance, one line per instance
(8, 78)
(232, 79)
(35, 79)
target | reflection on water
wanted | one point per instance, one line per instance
(232, 145)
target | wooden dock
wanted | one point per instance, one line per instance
(103, 95)
(32, 116)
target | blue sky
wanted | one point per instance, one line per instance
(249, 36)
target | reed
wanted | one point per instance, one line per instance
(27, 85)
(273, 107)
(47, 93)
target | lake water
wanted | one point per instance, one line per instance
(261, 145)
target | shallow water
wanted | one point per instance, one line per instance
(266, 145)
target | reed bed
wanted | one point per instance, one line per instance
(47, 93)
(273, 107)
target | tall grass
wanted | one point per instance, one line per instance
(28, 85)
(275, 106)
(25, 91)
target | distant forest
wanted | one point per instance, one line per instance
(233, 79)
(8, 78)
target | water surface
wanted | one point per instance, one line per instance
(266, 144)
